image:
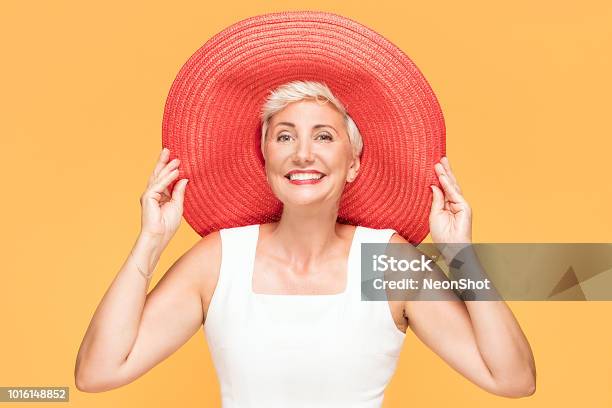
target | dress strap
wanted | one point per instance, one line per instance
(366, 236)
(236, 245)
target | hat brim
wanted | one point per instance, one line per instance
(212, 120)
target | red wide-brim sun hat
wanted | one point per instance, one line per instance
(212, 121)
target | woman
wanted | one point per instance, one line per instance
(301, 351)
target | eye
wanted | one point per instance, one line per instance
(283, 137)
(326, 136)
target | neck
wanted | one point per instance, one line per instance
(305, 235)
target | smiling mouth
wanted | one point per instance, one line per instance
(304, 176)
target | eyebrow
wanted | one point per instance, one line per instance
(314, 127)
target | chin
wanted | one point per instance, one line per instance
(303, 196)
(302, 201)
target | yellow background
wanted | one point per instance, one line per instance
(525, 90)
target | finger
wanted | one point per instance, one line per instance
(446, 163)
(178, 193)
(441, 168)
(437, 203)
(174, 164)
(447, 169)
(451, 193)
(171, 165)
(162, 160)
(163, 182)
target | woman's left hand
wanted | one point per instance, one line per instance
(450, 219)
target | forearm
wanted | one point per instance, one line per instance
(501, 342)
(114, 325)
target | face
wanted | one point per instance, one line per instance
(308, 139)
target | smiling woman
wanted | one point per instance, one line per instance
(306, 143)
(298, 278)
(275, 280)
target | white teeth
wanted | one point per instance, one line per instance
(305, 176)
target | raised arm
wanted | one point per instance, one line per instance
(130, 331)
(479, 339)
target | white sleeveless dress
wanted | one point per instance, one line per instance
(298, 350)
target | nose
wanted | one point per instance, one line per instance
(303, 150)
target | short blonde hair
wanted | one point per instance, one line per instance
(296, 91)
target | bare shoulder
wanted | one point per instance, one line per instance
(398, 239)
(198, 262)
(409, 249)
(199, 267)
(207, 252)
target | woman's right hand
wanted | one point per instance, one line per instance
(162, 212)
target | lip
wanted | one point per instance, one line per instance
(305, 171)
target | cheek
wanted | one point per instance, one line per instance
(276, 152)
(272, 167)
(270, 158)
(337, 160)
